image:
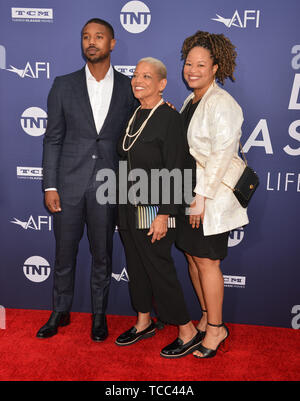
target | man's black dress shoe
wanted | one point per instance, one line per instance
(57, 319)
(99, 327)
(177, 349)
(131, 336)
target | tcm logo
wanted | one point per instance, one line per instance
(34, 121)
(123, 276)
(30, 173)
(236, 236)
(36, 269)
(235, 281)
(135, 17)
(241, 21)
(32, 14)
(32, 224)
(127, 70)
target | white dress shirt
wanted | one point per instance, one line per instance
(100, 96)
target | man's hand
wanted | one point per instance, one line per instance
(52, 201)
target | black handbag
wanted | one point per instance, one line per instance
(246, 186)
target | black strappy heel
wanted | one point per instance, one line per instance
(210, 353)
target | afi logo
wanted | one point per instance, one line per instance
(135, 17)
(240, 21)
(34, 225)
(123, 276)
(36, 269)
(35, 71)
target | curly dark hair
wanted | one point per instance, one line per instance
(221, 49)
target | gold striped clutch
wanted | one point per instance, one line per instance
(146, 214)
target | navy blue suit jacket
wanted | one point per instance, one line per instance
(72, 145)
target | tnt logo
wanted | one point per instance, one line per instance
(34, 121)
(36, 269)
(135, 17)
(236, 236)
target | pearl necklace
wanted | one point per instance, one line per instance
(139, 131)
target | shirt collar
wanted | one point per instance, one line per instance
(90, 77)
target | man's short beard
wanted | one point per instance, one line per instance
(98, 59)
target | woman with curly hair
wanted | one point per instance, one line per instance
(213, 121)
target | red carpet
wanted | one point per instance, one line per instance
(256, 353)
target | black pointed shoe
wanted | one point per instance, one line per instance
(131, 336)
(99, 327)
(57, 319)
(177, 349)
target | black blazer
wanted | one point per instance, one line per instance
(72, 145)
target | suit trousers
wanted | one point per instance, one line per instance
(152, 273)
(68, 226)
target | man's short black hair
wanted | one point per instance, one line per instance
(101, 22)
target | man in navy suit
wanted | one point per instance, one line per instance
(87, 112)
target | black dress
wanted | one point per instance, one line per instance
(192, 240)
(151, 270)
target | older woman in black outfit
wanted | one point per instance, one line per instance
(153, 140)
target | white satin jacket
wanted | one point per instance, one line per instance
(213, 137)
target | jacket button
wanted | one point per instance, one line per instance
(98, 139)
(94, 157)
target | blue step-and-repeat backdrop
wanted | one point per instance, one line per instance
(40, 40)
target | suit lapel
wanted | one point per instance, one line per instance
(80, 88)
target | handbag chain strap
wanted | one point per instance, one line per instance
(243, 154)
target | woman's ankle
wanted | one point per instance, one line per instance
(203, 321)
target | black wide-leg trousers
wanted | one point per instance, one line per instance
(152, 274)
